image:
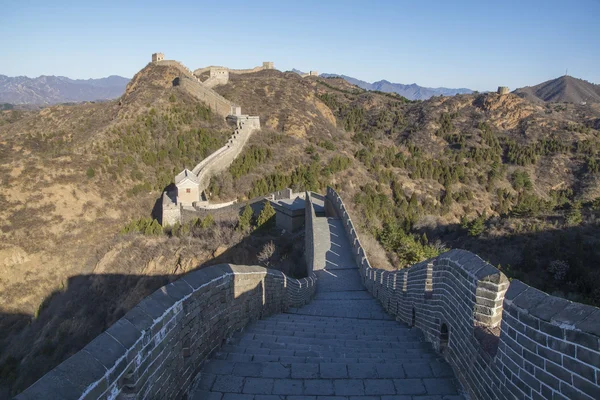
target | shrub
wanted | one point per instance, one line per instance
(90, 172)
(558, 269)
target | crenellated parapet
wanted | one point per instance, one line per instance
(159, 346)
(504, 340)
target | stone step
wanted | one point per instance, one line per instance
(280, 341)
(342, 312)
(402, 336)
(325, 370)
(208, 395)
(333, 329)
(333, 352)
(231, 384)
(345, 295)
(331, 320)
(249, 355)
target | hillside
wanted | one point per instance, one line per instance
(72, 178)
(514, 181)
(411, 92)
(564, 89)
(59, 89)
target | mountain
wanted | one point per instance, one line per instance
(411, 92)
(497, 175)
(59, 89)
(560, 90)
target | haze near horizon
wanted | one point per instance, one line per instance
(466, 45)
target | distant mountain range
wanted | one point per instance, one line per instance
(411, 92)
(563, 89)
(59, 89)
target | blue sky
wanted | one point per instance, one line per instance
(475, 44)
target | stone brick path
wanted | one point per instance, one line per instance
(340, 346)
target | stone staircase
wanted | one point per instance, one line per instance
(342, 345)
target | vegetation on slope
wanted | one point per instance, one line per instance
(513, 181)
(72, 176)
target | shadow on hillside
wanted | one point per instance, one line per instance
(527, 256)
(67, 320)
(70, 318)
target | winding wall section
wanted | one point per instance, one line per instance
(504, 340)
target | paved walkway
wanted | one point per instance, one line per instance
(342, 345)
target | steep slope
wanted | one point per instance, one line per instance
(562, 89)
(59, 89)
(411, 92)
(72, 178)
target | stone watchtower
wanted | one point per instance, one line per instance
(268, 65)
(503, 90)
(158, 57)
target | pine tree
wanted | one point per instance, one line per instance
(266, 214)
(245, 220)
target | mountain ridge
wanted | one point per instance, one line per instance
(411, 91)
(51, 89)
(562, 89)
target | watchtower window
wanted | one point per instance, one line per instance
(444, 337)
(188, 190)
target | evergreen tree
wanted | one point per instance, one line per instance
(245, 220)
(266, 214)
(478, 225)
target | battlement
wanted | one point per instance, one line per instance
(504, 340)
(156, 57)
(310, 73)
(220, 75)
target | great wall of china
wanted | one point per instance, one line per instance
(173, 203)
(452, 327)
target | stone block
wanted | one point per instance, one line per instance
(559, 372)
(139, 318)
(108, 351)
(258, 386)
(83, 370)
(125, 332)
(288, 387)
(579, 368)
(515, 288)
(333, 370)
(305, 370)
(529, 298)
(410, 386)
(228, 384)
(320, 387)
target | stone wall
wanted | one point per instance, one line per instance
(171, 211)
(158, 347)
(192, 84)
(504, 341)
(266, 65)
(309, 233)
(225, 156)
(217, 103)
